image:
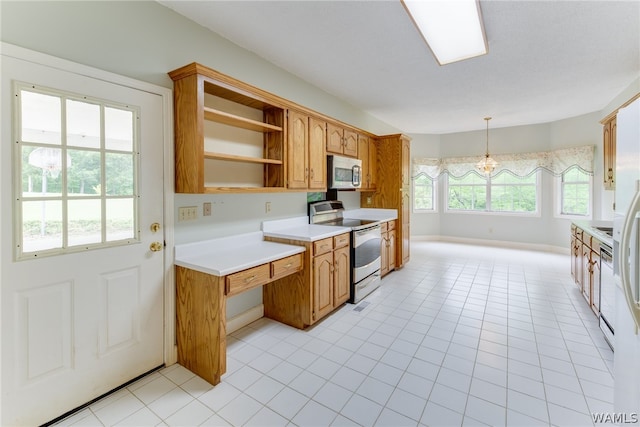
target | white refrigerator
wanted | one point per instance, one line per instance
(627, 263)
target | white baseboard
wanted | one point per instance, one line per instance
(243, 319)
(496, 243)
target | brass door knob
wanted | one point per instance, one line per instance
(155, 246)
(155, 227)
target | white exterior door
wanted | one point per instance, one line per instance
(79, 323)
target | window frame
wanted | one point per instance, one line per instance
(64, 198)
(488, 210)
(434, 195)
(559, 197)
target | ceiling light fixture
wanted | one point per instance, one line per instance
(487, 165)
(453, 29)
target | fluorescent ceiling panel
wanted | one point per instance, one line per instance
(453, 29)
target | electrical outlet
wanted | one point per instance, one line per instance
(206, 209)
(187, 213)
(267, 207)
(368, 200)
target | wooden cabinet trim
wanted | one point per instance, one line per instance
(247, 279)
(322, 246)
(285, 266)
(341, 240)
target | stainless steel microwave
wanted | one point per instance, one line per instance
(344, 173)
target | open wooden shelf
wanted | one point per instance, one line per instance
(238, 121)
(244, 159)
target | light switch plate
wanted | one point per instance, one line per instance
(187, 213)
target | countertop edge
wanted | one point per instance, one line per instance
(285, 251)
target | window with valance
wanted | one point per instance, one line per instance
(512, 186)
(556, 162)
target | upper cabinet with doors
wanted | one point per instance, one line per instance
(609, 129)
(367, 153)
(306, 155)
(609, 152)
(341, 140)
(229, 136)
(393, 189)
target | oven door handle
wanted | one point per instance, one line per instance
(367, 230)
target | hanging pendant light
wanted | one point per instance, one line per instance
(487, 165)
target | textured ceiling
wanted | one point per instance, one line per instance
(547, 60)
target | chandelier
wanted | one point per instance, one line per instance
(487, 164)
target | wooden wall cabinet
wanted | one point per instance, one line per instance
(306, 152)
(229, 136)
(367, 153)
(609, 128)
(323, 284)
(393, 188)
(388, 248)
(341, 140)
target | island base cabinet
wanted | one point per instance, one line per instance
(201, 323)
(304, 298)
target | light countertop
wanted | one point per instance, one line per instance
(589, 227)
(372, 214)
(298, 228)
(231, 254)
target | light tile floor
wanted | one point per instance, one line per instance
(463, 335)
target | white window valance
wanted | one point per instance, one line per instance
(426, 166)
(555, 162)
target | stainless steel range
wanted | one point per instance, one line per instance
(365, 245)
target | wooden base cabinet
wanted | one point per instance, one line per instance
(585, 266)
(201, 323)
(388, 247)
(201, 311)
(323, 284)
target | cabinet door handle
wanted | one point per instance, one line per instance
(311, 173)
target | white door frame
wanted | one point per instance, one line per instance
(170, 349)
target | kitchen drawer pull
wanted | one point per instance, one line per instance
(249, 279)
(288, 265)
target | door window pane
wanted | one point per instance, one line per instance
(80, 194)
(85, 222)
(118, 128)
(83, 124)
(40, 118)
(84, 173)
(120, 214)
(41, 168)
(119, 174)
(41, 225)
